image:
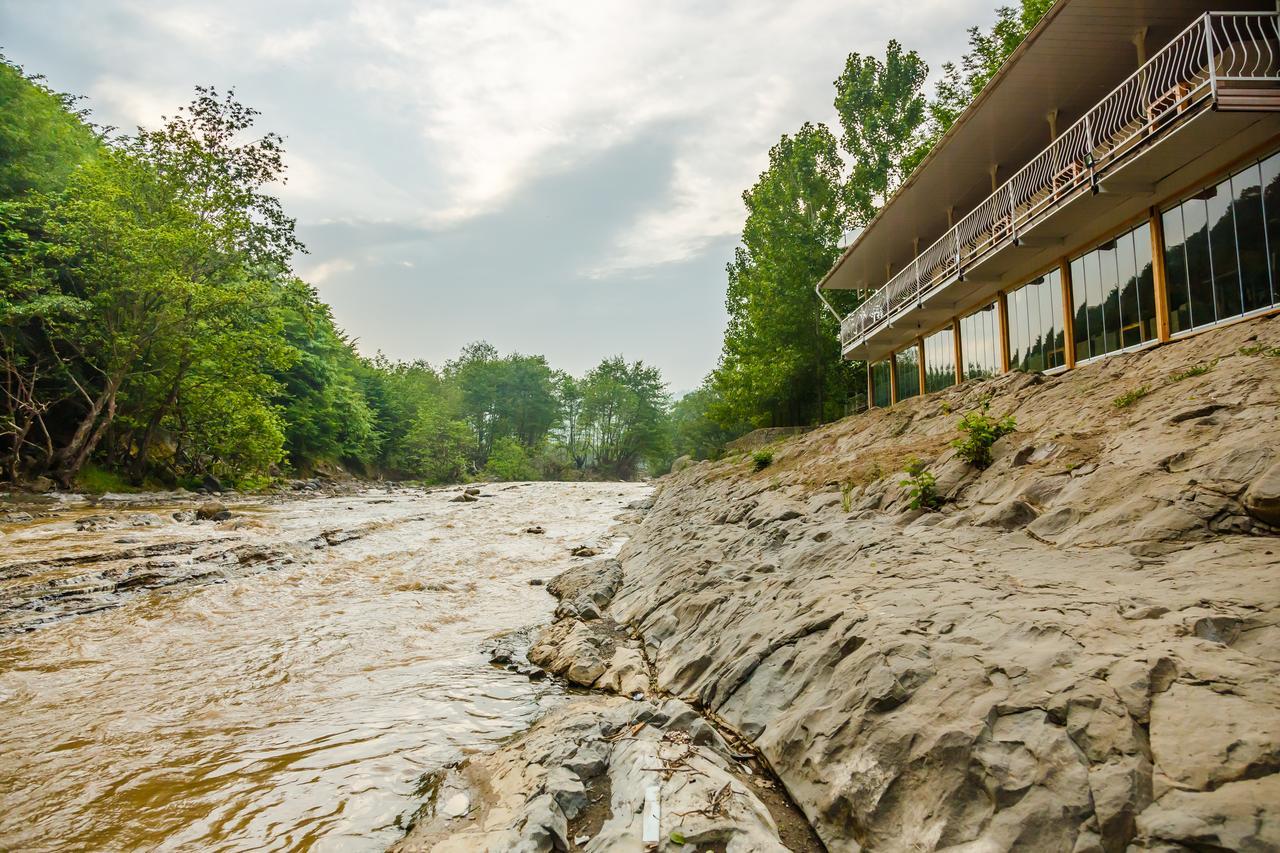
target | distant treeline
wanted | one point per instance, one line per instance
(780, 364)
(152, 330)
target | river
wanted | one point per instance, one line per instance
(281, 680)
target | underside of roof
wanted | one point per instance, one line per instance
(1078, 53)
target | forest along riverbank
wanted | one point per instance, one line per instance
(280, 679)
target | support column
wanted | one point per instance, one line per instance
(920, 363)
(958, 345)
(1068, 316)
(1002, 314)
(871, 388)
(1160, 275)
(893, 378)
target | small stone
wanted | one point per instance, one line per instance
(584, 551)
(536, 581)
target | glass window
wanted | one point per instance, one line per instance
(1110, 287)
(1145, 271)
(1031, 324)
(1130, 323)
(979, 336)
(880, 384)
(1079, 302)
(906, 365)
(1251, 238)
(1222, 252)
(1271, 208)
(1113, 293)
(940, 360)
(1175, 270)
(1222, 263)
(1195, 220)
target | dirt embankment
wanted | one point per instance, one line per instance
(1080, 650)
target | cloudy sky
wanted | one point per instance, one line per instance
(553, 177)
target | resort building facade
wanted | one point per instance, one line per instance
(1116, 184)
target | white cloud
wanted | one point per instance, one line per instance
(322, 272)
(505, 93)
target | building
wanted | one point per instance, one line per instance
(1115, 185)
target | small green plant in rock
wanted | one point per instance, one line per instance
(1261, 349)
(921, 486)
(1194, 370)
(945, 406)
(1128, 398)
(762, 459)
(846, 496)
(980, 432)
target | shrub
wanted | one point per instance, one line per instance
(1128, 398)
(921, 486)
(762, 459)
(980, 432)
(846, 496)
(1194, 370)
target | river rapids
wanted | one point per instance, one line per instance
(280, 680)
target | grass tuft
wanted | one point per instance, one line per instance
(1128, 398)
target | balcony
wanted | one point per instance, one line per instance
(1207, 87)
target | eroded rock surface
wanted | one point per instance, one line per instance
(1081, 651)
(577, 781)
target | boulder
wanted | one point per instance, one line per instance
(212, 511)
(1262, 498)
(681, 463)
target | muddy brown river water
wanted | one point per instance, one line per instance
(278, 681)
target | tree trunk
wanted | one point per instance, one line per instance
(138, 468)
(19, 439)
(71, 458)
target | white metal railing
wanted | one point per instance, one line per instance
(1217, 47)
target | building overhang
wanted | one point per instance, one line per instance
(1205, 143)
(1072, 59)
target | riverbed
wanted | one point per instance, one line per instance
(283, 679)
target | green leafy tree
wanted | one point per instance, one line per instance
(509, 461)
(437, 447)
(881, 109)
(988, 50)
(780, 364)
(624, 417)
(696, 431)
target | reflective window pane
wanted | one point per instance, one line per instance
(880, 390)
(1079, 302)
(1195, 221)
(1146, 278)
(907, 369)
(1222, 251)
(1130, 330)
(978, 341)
(1175, 270)
(1110, 297)
(940, 360)
(1034, 336)
(1271, 207)
(1251, 238)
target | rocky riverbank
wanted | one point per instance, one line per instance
(1080, 650)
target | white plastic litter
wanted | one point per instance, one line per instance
(649, 829)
